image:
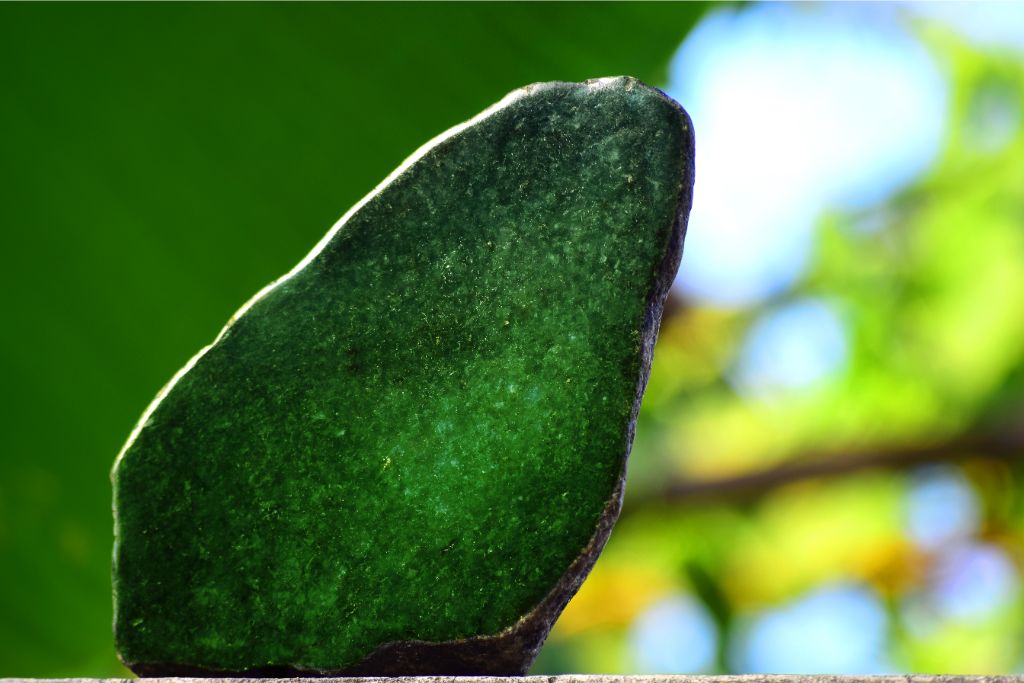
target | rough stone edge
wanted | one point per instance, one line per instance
(573, 678)
(511, 651)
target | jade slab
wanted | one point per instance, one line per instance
(404, 456)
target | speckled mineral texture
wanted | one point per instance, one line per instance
(404, 456)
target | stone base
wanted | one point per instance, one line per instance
(667, 678)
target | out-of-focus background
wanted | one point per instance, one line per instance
(827, 475)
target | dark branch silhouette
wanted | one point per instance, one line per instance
(1004, 445)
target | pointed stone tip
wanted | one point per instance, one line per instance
(627, 83)
(626, 86)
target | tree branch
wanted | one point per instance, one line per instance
(1005, 445)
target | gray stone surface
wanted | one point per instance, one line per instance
(668, 678)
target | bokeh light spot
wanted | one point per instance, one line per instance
(973, 581)
(796, 108)
(790, 348)
(675, 635)
(941, 507)
(839, 629)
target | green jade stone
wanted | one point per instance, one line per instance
(404, 456)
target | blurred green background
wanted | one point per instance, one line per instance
(826, 475)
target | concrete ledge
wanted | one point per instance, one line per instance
(668, 678)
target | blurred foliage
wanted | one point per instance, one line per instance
(771, 498)
(160, 163)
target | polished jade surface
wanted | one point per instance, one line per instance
(413, 434)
